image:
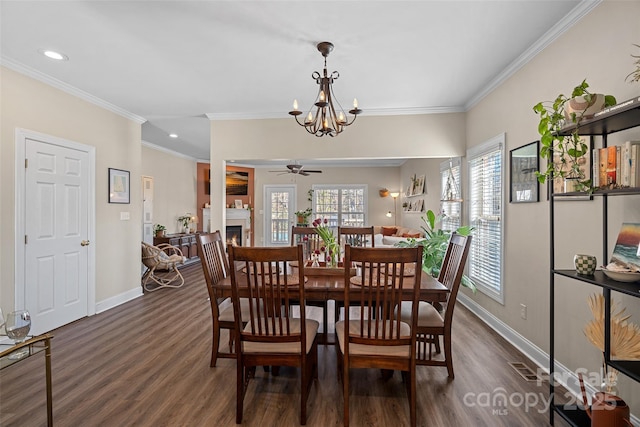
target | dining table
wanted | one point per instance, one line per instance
(331, 286)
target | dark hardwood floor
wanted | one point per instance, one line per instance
(146, 363)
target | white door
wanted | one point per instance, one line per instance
(57, 198)
(279, 207)
(147, 209)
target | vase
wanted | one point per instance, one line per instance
(580, 106)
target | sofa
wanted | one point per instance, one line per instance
(388, 236)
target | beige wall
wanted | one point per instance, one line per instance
(29, 104)
(174, 186)
(417, 136)
(597, 48)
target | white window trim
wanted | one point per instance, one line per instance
(444, 167)
(472, 153)
(364, 187)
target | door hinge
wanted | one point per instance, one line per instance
(26, 240)
(26, 163)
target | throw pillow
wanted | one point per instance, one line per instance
(389, 231)
(411, 235)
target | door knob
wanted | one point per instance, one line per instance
(84, 243)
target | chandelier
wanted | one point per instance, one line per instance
(328, 120)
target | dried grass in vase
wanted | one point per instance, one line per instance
(624, 340)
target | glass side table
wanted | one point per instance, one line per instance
(33, 345)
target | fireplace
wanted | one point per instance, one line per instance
(234, 235)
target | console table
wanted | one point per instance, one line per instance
(34, 346)
(185, 242)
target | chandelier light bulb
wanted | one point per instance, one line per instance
(295, 104)
(341, 117)
(322, 96)
(309, 118)
(355, 103)
(389, 214)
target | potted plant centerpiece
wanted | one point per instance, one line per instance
(567, 148)
(159, 230)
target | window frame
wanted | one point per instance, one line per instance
(456, 164)
(490, 146)
(340, 187)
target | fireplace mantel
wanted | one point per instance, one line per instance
(238, 213)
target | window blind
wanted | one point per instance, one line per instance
(485, 215)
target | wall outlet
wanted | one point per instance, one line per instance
(523, 311)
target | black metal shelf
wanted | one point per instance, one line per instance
(599, 279)
(623, 116)
(614, 119)
(574, 416)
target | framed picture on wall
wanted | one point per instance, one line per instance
(119, 186)
(524, 163)
(237, 183)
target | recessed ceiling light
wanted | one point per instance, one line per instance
(54, 55)
(173, 135)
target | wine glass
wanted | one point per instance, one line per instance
(18, 324)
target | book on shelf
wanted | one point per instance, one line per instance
(595, 168)
(612, 154)
(602, 167)
(634, 168)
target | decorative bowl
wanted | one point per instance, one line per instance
(622, 276)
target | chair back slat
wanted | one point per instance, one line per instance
(452, 269)
(271, 290)
(308, 237)
(356, 236)
(215, 266)
(383, 285)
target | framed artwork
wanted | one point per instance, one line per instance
(523, 182)
(237, 183)
(584, 163)
(119, 186)
(237, 203)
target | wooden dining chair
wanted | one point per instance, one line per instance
(361, 237)
(356, 236)
(272, 336)
(310, 240)
(213, 257)
(376, 337)
(432, 324)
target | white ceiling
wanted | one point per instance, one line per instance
(177, 63)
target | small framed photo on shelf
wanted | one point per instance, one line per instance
(523, 182)
(237, 204)
(119, 186)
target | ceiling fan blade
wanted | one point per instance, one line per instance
(303, 173)
(310, 171)
(294, 167)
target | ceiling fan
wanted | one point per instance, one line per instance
(297, 169)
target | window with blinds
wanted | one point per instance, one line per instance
(341, 205)
(486, 172)
(452, 210)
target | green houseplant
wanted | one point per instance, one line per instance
(635, 74)
(435, 245)
(554, 116)
(303, 216)
(158, 230)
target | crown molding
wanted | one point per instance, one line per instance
(367, 112)
(65, 87)
(577, 13)
(171, 152)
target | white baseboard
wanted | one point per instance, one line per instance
(563, 375)
(118, 299)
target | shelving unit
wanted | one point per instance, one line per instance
(618, 118)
